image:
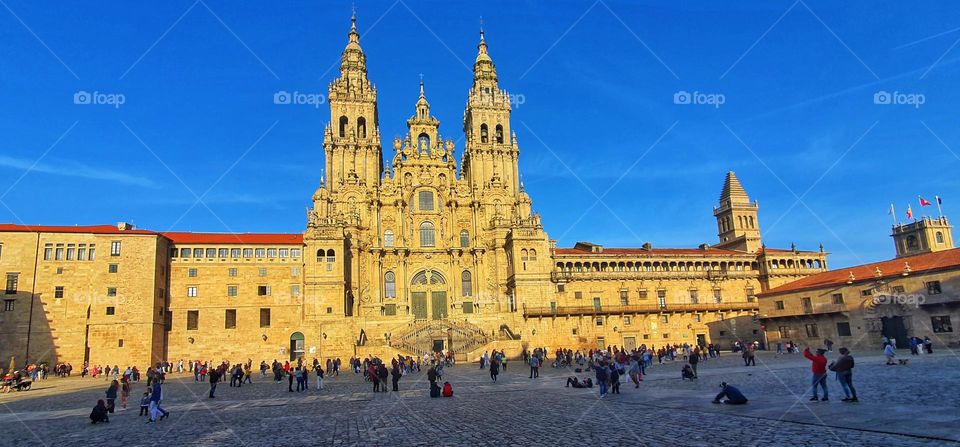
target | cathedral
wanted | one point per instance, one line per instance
(424, 248)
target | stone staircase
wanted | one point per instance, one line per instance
(417, 337)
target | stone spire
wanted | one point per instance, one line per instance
(733, 192)
(483, 68)
(353, 59)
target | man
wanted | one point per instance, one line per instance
(603, 377)
(843, 366)
(733, 395)
(819, 369)
(694, 360)
(156, 396)
(534, 366)
(214, 379)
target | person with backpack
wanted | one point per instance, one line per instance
(214, 379)
(843, 366)
(447, 389)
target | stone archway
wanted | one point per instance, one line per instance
(428, 295)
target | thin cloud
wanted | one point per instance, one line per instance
(68, 168)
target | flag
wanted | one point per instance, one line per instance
(890, 213)
(909, 212)
(939, 202)
(923, 202)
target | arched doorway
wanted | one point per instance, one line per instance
(428, 292)
(296, 346)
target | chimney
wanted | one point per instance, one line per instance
(647, 246)
(124, 226)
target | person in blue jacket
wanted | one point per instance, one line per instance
(733, 395)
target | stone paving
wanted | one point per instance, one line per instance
(911, 405)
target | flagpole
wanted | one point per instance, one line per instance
(893, 214)
(939, 210)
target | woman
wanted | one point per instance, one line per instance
(124, 392)
(99, 413)
(112, 395)
(494, 368)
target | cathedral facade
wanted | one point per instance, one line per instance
(427, 247)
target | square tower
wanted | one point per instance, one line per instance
(927, 235)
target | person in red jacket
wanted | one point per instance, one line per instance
(819, 369)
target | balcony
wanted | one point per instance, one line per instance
(815, 309)
(565, 311)
(712, 275)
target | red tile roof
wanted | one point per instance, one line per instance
(94, 229)
(867, 272)
(235, 238)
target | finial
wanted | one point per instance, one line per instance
(421, 85)
(906, 268)
(877, 273)
(821, 247)
(851, 278)
(481, 28)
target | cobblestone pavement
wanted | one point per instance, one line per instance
(911, 405)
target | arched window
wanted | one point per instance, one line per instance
(423, 143)
(912, 242)
(362, 127)
(331, 256)
(752, 225)
(484, 137)
(390, 285)
(388, 238)
(343, 126)
(499, 134)
(427, 233)
(464, 239)
(533, 255)
(320, 254)
(466, 284)
(425, 200)
(939, 237)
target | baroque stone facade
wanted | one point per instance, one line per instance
(405, 252)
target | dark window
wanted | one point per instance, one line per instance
(837, 298)
(113, 268)
(812, 331)
(561, 287)
(466, 284)
(13, 279)
(843, 329)
(390, 309)
(230, 319)
(467, 307)
(120, 343)
(933, 288)
(390, 285)
(643, 294)
(599, 321)
(578, 295)
(941, 323)
(263, 290)
(866, 292)
(426, 200)
(192, 273)
(264, 318)
(193, 318)
(58, 292)
(807, 305)
(784, 331)
(111, 310)
(8, 305)
(111, 291)
(778, 305)
(624, 298)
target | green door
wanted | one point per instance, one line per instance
(419, 304)
(439, 305)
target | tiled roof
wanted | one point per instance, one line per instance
(867, 272)
(235, 238)
(93, 229)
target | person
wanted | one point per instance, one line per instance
(828, 343)
(694, 360)
(635, 372)
(614, 379)
(731, 393)
(382, 374)
(319, 373)
(214, 379)
(603, 376)
(843, 366)
(124, 392)
(144, 403)
(298, 374)
(395, 375)
(687, 373)
(577, 383)
(447, 389)
(749, 356)
(818, 366)
(156, 396)
(779, 348)
(99, 413)
(494, 368)
(889, 353)
(928, 344)
(112, 395)
(534, 366)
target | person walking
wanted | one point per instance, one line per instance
(124, 392)
(889, 352)
(603, 377)
(843, 366)
(614, 379)
(214, 377)
(395, 374)
(112, 395)
(156, 397)
(819, 369)
(693, 360)
(534, 366)
(494, 368)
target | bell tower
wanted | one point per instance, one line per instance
(737, 225)
(490, 154)
(351, 142)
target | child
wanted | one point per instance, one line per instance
(144, 403)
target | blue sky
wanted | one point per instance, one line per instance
(799, 123)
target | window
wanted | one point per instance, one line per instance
(599, 321)
(284, 252)
(58, 292)
(597, 303)
(573, 331)
(113, 268)
(843, 329)
(263, 290)
(807, 305)
(343, 126)
(294, 252)
(941, 324)
(939, 237)
(390, 309)
(120, 343)
(464, 239)
(624, 298)
(71, 251)
(467, 307)
(668, 335)
(294, 271)
(232, 290)
(263, 271)
(192, 291)
(499, 134)
(223, 253)
(111, 291)
(388, 238)
(466, 286)
(561, 288)
(230, 319)
(59, 255)
(662, 298)
(82, 252)
(696, 317)
(294, 290)
(837, 298)
(784, 331)
(750, 296)
(115, 248)
(8, 305)
(933, 288)
(47, 252)
(247, 252)
(643, 294)
(192, 273)
(484, 133)
(390, 285)
(331, 257)
(260, 252)
(778, 305)
(578, 295)
(211, 252)
(197, 252)
(694, 299)
(866, 292)
(812, 331)
(717, 297)
(271, 252)
(425, 199)
(193, 318)
(232, 272)
(234, 252)
(12, 280)
(626, 320)
(184, 252)
(898, 289)
(111, 310)
(59, 270)
(664, 318)
(426, 234)
(264, 318)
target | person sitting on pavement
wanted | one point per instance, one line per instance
(99, 413)
(578, 383)
(731, 393)
(687, 373)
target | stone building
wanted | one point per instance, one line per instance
(418, 250)
(916, 294)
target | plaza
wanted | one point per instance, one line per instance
(899, 405)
